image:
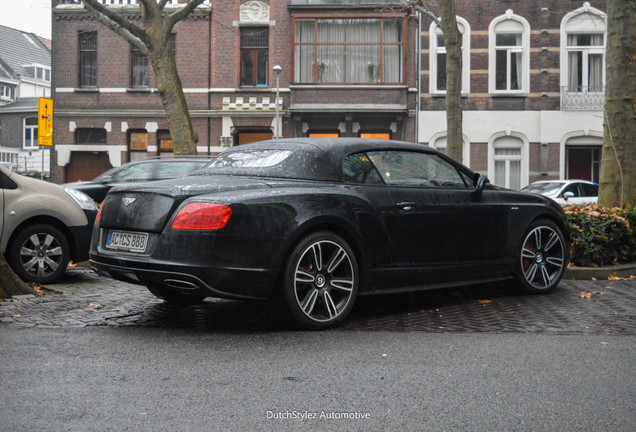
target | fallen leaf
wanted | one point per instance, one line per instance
(613, 277)
(102, 323)
(585, 294)
(37, 288)
(72, 264)
(95, 305)
(484, 301)
(16, 316)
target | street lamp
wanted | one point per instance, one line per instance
(277, 70)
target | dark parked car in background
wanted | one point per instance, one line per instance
(42, 226)
(317, 222)
(151, 169)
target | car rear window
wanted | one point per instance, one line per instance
(303, 162)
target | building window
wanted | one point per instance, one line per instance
(583, 59)
(323, 134)
(508, 161)
(90, 136)
(509, 49)
(254, 136)
(88, 59)
(254, 56)
(137, 144)
(440, 144)
(6, 93)
(348, 50)
(164, 141)
(585, 62)
(437, 76)
(138, 67)
(30, 133)
(385, 135)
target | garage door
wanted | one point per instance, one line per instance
(86, 165)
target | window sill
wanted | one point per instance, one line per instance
(509, 95)
(87, 90)
(259, 89)
(139, 90)
(348, 86)
(443, 95)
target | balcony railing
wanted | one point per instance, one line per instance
(582, 98)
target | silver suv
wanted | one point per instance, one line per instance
(42, 226)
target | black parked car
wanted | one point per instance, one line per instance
(318, 222)
(151, 169)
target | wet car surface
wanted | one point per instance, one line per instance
(317, 223)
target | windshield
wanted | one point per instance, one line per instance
(548, 188)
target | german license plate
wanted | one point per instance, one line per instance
(127, 241)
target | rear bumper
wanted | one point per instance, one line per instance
(233, 283)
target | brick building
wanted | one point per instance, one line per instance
(533, 85)
(347, 69)
(533, 82)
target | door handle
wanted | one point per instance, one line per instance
(407, 205)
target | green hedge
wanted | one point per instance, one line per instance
(602, 236)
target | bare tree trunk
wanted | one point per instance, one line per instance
(153, 40)
(618, 164)
(452, 42)
(10, 284)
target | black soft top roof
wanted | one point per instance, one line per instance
(315, 158)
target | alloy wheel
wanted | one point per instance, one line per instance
(542, 257)
(324, 281)
(41, 255)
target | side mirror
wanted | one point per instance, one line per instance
(568, 195)
(479, 181)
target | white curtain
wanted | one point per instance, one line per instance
(349, 51)
(304, 54)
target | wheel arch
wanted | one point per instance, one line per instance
(44, 220)
(334, 226)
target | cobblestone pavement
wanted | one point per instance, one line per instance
(83, 299)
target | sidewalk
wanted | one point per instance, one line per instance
(84, 299)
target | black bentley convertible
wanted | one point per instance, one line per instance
(317, 222)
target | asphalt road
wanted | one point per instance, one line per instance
(165, 379)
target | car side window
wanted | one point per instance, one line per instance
(170, 170)
(357, 168)
(134, 173)
(574, 188)
(6, 182)
(404, 168)
(589, 190)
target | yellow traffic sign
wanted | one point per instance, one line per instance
(45, 122)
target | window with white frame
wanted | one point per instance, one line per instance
(30, 133)
(509, 54)
(437, 69)
(507, 166)
(583, 50)
(440, 144)
(6, 93)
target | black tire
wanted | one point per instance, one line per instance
(39, 253)
(542, 258)
(319, 281)
(174, 297)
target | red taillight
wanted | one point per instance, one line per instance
(99, 213)
(202, 216)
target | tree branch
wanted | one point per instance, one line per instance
(431, 15)
(118, 24)
(181, 14)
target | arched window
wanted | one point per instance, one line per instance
(509, 55)
(583, 34)
(439, 143)
(437, 69)
(508, 160)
